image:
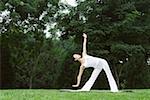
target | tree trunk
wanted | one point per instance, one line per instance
(30, 82)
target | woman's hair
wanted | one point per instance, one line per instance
(76, 56)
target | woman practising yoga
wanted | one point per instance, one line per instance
(98, 64)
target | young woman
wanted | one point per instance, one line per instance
(98, 64)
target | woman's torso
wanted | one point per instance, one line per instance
(95, 62)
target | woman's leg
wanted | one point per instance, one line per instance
(112, 83)
(91, 80)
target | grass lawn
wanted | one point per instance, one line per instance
(49, 94)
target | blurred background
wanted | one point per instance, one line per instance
(38, 38)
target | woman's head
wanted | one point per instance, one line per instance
(76, 56)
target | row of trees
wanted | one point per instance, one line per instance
(118, 30)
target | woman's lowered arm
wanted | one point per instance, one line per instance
(79, 76)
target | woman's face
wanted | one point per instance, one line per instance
(76, 56)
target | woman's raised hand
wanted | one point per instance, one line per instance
(84, 35)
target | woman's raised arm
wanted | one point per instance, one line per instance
(84, 44)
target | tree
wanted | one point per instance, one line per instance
(114, 28)
(23, 37)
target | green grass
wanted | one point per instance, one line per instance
(49, 94)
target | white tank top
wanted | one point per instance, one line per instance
(94, 62)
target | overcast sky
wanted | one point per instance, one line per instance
(70, 2)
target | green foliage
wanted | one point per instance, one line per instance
(2, 6)
(118, 30)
